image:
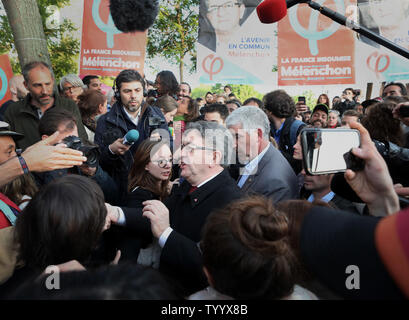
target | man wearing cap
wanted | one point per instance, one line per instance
(8, 209)
(320, 112)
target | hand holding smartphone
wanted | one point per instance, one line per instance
(301, 107)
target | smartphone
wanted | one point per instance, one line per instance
(404, 110)
(301, 99)
(328, 150)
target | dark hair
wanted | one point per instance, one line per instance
(128, 75)
(382, 125)
(32, 65)
(115, 282)
(16, 189)
(253, 99)
(247, 252)
(352, 113)
(228, 87)
(234, 101)
(192, 110)
(219, 108)
(326, 99)
(89, 102)
(402, 87)
(169, 84)
(87, 79)
(166, 103)
(190, 89)
(279, 103)
(139, 176)
(350, 89)
(62, 222)
(52, 119)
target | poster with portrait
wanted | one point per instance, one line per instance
(389, 19)
(233, 45)
(106, 51)
(313, 49)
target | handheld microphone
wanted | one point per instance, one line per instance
(133, 15)
(270, 11)
(131, 137)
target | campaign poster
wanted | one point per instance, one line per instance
(5, 75)
(313, 49)
(233, 45)
(106, 51)
(390, 20)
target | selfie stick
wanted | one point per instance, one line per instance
(335, 16)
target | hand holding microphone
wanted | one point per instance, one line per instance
(122, 145)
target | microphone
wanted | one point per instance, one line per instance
(270, 11)
(133, 15)
(131, 137)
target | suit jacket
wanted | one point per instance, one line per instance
(181, 257)
(273, 177)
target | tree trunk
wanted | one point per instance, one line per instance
(181, 64)
(29, 38)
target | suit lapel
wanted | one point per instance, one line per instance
(252, 178)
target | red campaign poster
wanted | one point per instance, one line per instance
(5, 75)
(106, 51)
(313, 49)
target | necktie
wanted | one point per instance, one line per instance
(192, 188)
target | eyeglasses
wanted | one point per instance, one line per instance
(190, 148)
(227, 5)
(66, 89)
(162, 163)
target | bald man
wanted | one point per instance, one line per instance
(18, 92)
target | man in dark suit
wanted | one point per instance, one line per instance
(266, 171)
(178, 222)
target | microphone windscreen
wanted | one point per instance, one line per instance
(270, 11)
(133, 15)
(132, 136)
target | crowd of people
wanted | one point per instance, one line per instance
(144, 192)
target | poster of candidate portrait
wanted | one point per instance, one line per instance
(388, 18)
(219, 20)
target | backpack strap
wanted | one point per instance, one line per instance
(8, 212)
(293, 131)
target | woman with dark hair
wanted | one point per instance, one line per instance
(323, 99)
(91, 103)
(247, 253)
(21, 190)
(63, 222)
(166, 83)
(148, 180)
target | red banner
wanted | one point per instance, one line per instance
(5, 75)
(105, 50)
(313, 49)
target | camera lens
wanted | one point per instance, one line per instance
(92, 155)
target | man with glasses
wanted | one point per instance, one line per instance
(177, 223)
(71, 86)
(219, 20)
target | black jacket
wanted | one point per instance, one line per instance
(115, 124)
(180, 257)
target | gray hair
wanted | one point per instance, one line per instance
(250, 118)
(72, 79)
(216, 137)
(336, 112)
(110, 94)
(32, 65)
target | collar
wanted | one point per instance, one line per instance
(207, 180)
(133, 119)
(249, 167)
(327, 198)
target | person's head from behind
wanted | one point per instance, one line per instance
(152, 167)
(62, 121)
(216, 113)
(350, 116)
(62, 222)
(246, 251)
(166, 83)
(92, 103)
(253, 102)
(17, 88)
(224, 15)
(92, 82)
(278, 105)
(220, 98)
(168, 106)
(206, 148)
(251, 128)
(394, 89)
(129, 89)
(71, 86)
(39, 81)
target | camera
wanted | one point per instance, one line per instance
(153, 93)
(155, 121)
(90, 152)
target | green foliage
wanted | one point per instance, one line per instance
(241, 91)
(174, 33)
(62, 46)
(310, 99)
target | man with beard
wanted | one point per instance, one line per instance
(23, 116)
(129, 112)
